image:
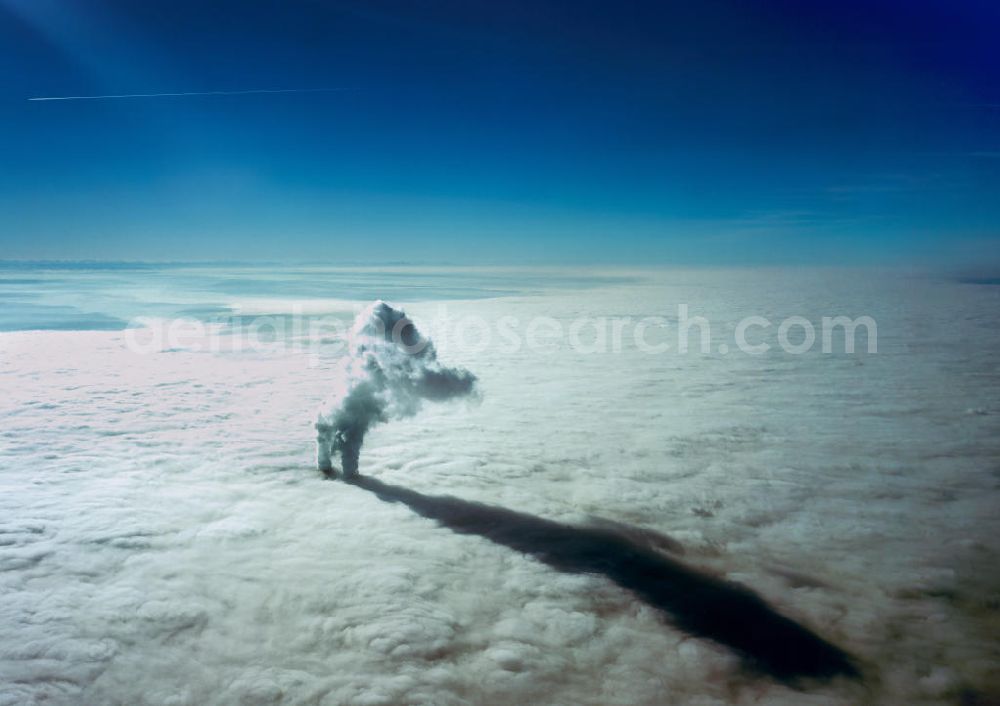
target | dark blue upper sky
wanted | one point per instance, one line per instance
(779, 131)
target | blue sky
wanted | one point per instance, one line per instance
(712, 132)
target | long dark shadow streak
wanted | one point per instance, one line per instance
(695, 602)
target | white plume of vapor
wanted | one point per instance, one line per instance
(389, 371)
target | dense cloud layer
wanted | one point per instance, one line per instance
(164, 540)
(389, 371)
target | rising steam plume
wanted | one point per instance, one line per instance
(390, 369)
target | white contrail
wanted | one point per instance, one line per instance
(189, 93)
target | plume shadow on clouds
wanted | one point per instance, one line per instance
(695, 602)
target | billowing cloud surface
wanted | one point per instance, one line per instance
(164, 540)
(389, 371)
